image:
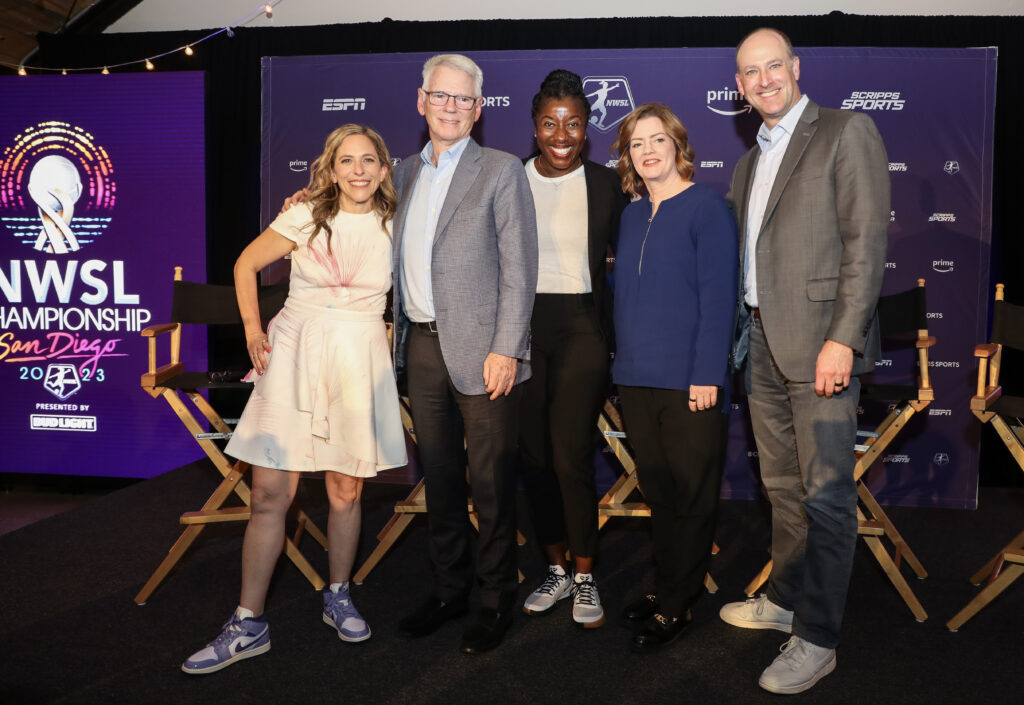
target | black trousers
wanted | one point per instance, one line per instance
(680, 455)
(559, 410)
(443, 417)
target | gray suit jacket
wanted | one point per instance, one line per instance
(821, 251)
(483, 264)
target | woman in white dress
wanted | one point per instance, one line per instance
(324, 397)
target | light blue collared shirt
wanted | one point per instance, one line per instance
(425, 204)
(773, 144)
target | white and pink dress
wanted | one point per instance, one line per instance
(327, 400)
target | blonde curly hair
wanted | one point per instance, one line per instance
(325, 195)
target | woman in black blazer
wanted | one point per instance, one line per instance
(578, 206)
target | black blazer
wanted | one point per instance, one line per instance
(605, 201)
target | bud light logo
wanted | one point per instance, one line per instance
(951, 167)
(941, 459)
(610, 100)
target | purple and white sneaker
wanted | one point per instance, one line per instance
(241, 639)
(340, 613)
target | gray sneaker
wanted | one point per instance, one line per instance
(757, 613)
(586, 604)
(557, 586)
(800, 665)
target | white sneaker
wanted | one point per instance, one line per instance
(556, 586)
(800, 665)
(757, 613)
(586, 604)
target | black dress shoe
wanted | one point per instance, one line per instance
(431, 615)
(486, 631)
(659, 631)
(641, 609)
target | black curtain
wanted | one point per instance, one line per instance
(233, 93)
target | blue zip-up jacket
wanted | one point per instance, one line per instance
(674, 307)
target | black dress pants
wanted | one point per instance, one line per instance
(558, 414)
(680, 455)
(443, 417)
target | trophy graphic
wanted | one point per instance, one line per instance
(55, 185)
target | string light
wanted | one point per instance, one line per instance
(264, 9)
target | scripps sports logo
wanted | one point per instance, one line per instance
(57, 188)
(610, 100)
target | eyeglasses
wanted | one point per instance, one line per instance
(462, 102)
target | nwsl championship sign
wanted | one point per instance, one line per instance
(940, 165)
(101, 195)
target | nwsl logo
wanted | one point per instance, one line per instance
(610, 100)
(56, 188)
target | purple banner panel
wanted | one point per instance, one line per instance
(940, 154)
(101, 194)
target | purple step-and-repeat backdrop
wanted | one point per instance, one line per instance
(101, 194)
(940, 163)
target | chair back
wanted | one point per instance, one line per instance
(903, 325)
(1008, 325)
(216, 304)
(905, 312)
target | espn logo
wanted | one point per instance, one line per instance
(344, 104)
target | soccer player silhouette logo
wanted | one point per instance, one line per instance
(610, 100)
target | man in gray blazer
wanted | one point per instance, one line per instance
(465, 263)
(812, 201)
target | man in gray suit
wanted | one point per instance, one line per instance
(465, 263)
(812, 201)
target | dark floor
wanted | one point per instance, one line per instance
(70, 632)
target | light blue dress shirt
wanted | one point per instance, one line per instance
(425, 205)
(773, 144)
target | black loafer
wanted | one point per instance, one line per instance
(486, 631)
(431, 615)
(641, 609)
(659, 631)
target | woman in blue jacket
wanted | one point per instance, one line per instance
(675, 294)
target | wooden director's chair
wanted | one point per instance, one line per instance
(207, 304)
(1004, 412)
(899, 316)
(612, 504)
